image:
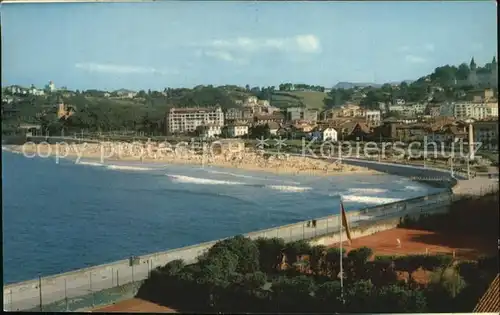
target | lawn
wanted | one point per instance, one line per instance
(310, 99)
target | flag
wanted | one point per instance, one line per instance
(344, 221)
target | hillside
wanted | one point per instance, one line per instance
(309, 99)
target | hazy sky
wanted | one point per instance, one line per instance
(159, 44)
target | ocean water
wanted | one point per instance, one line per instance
(66, 216)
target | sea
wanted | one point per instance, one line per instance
(61, 216)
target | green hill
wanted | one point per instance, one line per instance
(309, 99)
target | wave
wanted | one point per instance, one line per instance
(90, 163)
(289, 188)
(201, 181)
(252, 177)
(128, 168)
(370, 200)
(206, 181)
(367, 190)
(414, 188)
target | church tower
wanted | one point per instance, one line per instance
(494, 72)
(472, 75)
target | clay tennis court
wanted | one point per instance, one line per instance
(421, 242)
(134, 306)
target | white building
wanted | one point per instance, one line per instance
(329, 134)
(373, 117)
(51, 87)
(210, 131)
(34, 91)
(252, 100)
(477, 111)
(396, 108)
(181, 120)
(264, 103)
(237, 130)
(126, 93)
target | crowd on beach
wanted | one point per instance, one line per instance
(247, 158)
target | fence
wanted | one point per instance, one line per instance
(104, 284)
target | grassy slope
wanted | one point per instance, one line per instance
(295, 98)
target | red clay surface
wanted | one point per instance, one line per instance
(420, 242)
(134, 306)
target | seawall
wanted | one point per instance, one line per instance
(68, 289)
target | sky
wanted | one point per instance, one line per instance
(154, 45)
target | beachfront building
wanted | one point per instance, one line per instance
(209, 131)
(183, 120)
(237, 130)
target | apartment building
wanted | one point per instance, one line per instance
(351, 110)
(477, 111)
(486, 132)
(300, 113)
(373, 117)
(182, 120)
(234, 114)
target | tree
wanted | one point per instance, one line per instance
(329, 296)
(270, 250)
(449, 279)
(397, 299)
(332, 266)
(173, 267)
(360, 297)
(356, 263)
(294, 249)
(463, 72)
(288, 291)
(260, 131)
(382, 270)
(245, 250)
(410, 264)
(317, 256)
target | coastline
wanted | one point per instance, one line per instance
(251, 161)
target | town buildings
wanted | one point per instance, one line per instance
(479, 110)
(184, 120)
(209, 131)
(373, 117)
(235, 130)
(300, 113)
(486, 132)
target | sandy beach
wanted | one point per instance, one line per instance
(248, 160)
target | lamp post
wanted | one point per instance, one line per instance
(470, 155)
